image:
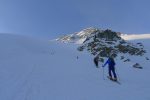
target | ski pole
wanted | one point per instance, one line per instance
(103, 74)
(117, 74)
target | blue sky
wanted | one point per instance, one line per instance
(53, 18)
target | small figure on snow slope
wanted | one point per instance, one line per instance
(96, 59)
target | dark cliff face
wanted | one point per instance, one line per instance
(105, 43)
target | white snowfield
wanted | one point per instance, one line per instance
(32, 69)
(135, 36)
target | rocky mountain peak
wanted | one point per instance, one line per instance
(103, 43)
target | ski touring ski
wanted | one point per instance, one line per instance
(113, 80)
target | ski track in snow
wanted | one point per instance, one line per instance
(32, 69)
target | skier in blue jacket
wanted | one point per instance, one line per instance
(111, 68)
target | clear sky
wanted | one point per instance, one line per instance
(53, 18)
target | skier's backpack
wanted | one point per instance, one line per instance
(112, 62)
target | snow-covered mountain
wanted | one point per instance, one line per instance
(32, 69)
(103, 43)
(80, 37)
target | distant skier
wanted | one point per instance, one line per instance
(96, 61)
(77, 57)
(111, 68)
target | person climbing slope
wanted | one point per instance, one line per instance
(111, 68)
(96, 61)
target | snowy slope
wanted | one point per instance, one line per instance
(135, 36)
(78, 37)
(81, 36)
(32, 69)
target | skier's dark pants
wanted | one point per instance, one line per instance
(112, 69)
(96, 63)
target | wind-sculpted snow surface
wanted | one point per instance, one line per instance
(32, 69)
